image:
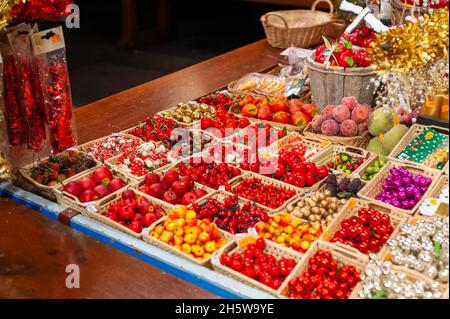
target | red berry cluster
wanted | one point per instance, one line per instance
(134, 211)
(155, 128)
(205, 171)
(256, 264)
(224, 124)
(344, 56)
(367, 231)
(362, 37)
(259, 135)
(324, 279)
(267, 195)
(219, 99)
(230, 215)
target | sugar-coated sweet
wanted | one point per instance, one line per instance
(341, 113)
(330, 127)
(316, 122)
(328, 111)
(349, 128)
(350, 102)
(360, 114)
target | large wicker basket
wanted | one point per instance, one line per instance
(375, 186)
(343, 257)
(356, 141)
(272, 248)
(351, 209)
(330, 85)
(300, 28)
(413, 132)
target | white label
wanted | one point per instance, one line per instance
(221, 188)
(48, 41)
(91, 209)
(117, 134)
(252, 232)
(215, 259)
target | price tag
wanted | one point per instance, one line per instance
(252, 232)
(215, 259)
(222, 188)
(117, 134)
(91, 209)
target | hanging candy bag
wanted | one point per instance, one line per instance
(4, 145)
(50, 57)
(30, 104)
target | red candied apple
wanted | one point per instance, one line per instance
(156, 190)
(179, 188)
(170, 177)
(116, 184)
(102, 175)
(264, 113)
(170, 197)
(88, 195)
(128, 194)
(152, 178)
(142, 208)
(188, 198)
(187, 180)
(87, 183)
(149, 219)
(102, 190)
(136, 226)
(73, 188)
(127, 213)
(200, 192)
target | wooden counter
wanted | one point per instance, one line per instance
(35, 250)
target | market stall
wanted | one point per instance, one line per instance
(257, 182)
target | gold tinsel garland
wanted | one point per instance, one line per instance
(412, 45)
(5, 11)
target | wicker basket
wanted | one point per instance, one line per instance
(374, 187)
(69, 201)
(351, 209)
(401, 10)
(155, 242)
(84, 148)
(105, 202)
(330, 85)
(343, 257)
(356, 153)
(313, 146)
(356, 141)
(238, 246)
(412, 276)
(412, 133)
(220, 196)
(300, 28)
(437, 188)
(269, 181)
(26, 182)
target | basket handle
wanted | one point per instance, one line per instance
(266, 18)
(355, 150)
(314, 5)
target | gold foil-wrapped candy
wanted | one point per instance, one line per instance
(4, 168)
(189, 112)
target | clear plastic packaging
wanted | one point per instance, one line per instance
(265, 84)
(5, 167)
(51, 64)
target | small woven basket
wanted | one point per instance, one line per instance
(342, 256)
(25, 181)
(412, 133)
(272, 248)
(156, 242)
(300, 28)
(351, 209)
(269, 181)
(375, 186)
(329, 153)
(107, 201)
(356, 141)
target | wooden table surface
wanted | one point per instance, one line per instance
(35, 250)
